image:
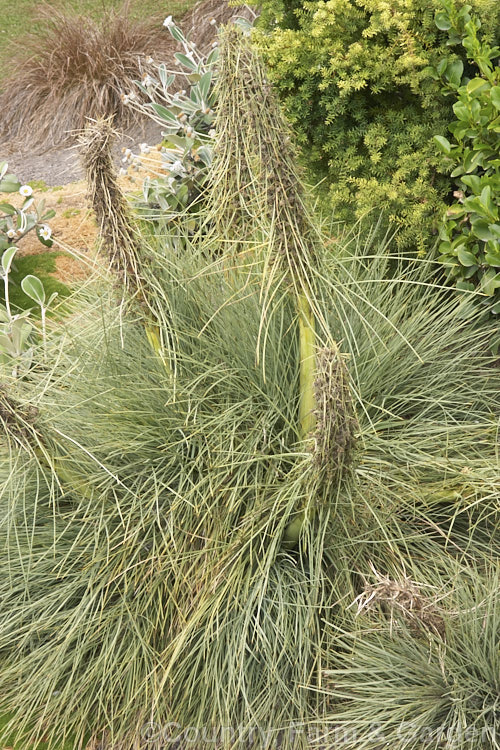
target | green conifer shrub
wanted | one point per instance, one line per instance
(355, 79)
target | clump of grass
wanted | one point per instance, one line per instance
(218, 607)
(40, 186)
(412, 690)
(73, 67)
(69, 213)
(147, 575)
(163, 505)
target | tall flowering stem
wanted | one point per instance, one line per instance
(308, 347)
(118, 233)
(258, 193)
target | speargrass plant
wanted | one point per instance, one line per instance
(116, 229)
(188, 523)
(148, 578)
(411, 689)
(257, 192)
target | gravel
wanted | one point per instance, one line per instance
(61, 165)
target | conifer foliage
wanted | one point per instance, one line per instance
(356, 78)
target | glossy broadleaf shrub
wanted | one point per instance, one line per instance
(470, 231)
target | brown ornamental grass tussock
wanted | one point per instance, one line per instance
(73, 67)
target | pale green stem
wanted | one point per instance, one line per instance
(307, 399)
(155, 343)
(307, 335)
(6, 295)
(44, 330)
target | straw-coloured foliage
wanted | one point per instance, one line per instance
(74, 67)
(401, 599)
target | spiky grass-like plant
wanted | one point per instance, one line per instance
(415, 688)
(257, 193)
(146, 578)
(116, 229)
(74, 67)
(145, 575)
(186, 526)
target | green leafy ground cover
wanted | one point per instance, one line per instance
(42, 265)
